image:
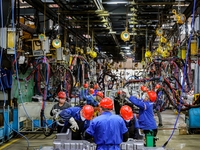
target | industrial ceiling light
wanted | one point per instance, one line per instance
(112, 32)
(132, 3)
(104, 20)
(133, 9)
(133, 22)
(134, 15)
(133, 29)
(108, 27)
(133, 19)
(103, 15)
(134, 33)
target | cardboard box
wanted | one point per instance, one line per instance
(182, 131)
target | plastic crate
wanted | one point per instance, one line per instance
(36, 123)
(194, 118)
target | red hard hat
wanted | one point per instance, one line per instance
(88, 112)
(144, 88)
(96, 86)
(62, 94)
(126, 112)
(106, 103)
(152, 96)
(85, 85)
(157, 86)
(91, 91)
(119, 92)
(100, 94)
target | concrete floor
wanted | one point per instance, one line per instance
(177, 142)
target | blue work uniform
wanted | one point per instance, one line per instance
(90, 100)
(146, 114)
(107, 131)
(133, 128)
(159, 101)
(74, 112)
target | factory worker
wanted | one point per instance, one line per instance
(99, 97)
(90, 99)
(146, 115)
(62, 104)
(107, 130)
(77, 119)
(131, 121)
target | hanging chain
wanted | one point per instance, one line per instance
(179, 8)
(126, 27)
(44, 28)
(88, 28)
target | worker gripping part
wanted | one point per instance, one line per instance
(146, 115)
(62, 104)
(108, 130)
(77, 119)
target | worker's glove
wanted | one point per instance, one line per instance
(73, 123)
(125, 90)
(54, 111)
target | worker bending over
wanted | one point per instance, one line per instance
(77, 119)
(131, 121)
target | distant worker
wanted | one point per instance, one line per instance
(146, 115)
(99, 97)
(131, 121)
(96, 87)
(77, 119)
(89, 98)
(107, 130)
(158, 104)
(62, 104)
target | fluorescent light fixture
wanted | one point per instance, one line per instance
(112, 32)
(129, 53)
(116, 2)
(133, 22)
(126, 47)
(105, 15)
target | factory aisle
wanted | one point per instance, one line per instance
(177, 142)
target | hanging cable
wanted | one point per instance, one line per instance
(2, 35)
(185, 68)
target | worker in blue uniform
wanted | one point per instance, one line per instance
(158, 104)
(131, 121)
(146, 115)
(107, 130)
(89, 98)
(77, 119)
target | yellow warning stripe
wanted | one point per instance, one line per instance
(8, 144)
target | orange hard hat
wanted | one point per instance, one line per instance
(144, 88)
(96, 86)
(62, 94)
(106, 103)
(126, 112)
(152, 96)
(88, 112)
(100, 94)
(91, 91)
(157, 86)
(85, 85)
